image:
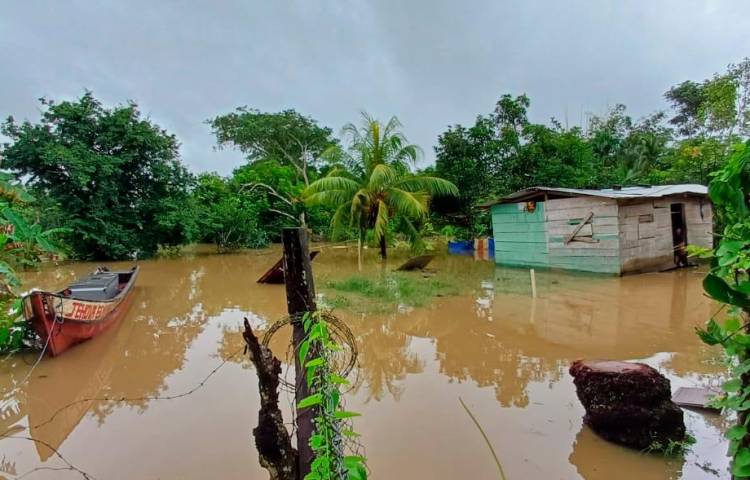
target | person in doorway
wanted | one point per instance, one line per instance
(680, 252)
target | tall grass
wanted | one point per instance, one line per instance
(390, 291)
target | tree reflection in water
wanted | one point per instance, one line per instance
(185, 317)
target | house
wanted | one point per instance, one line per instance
(616, 230)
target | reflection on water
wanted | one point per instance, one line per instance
(503, 352)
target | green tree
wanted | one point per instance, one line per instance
(116, 175)
(279, 187)
(373, 183)
(467, 157)
(226, 217)
(286, 137)
(716, 107)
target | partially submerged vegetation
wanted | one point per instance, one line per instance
(23, 244)
(672, 448)
(389, 292)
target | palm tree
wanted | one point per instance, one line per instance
(372, 182)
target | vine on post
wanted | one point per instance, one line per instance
(332, 423)
(729, 283)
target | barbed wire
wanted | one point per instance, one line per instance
(70, 466)
(345, 361)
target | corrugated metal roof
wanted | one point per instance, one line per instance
(655, 191)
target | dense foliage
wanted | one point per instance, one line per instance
(23, 243)
(226, 217)
(729, 283)
(114, 177)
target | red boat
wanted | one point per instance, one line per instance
(81, 311)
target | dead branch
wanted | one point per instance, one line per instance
(272, 439)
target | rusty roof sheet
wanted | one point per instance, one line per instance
(655, 191)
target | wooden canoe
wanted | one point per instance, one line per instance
(275, 274)
(416, 263)
(80, 312)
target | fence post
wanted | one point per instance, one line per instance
(300, 298)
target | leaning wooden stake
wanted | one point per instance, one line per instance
(300, 298)
(275, 451)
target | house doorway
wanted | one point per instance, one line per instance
(679, 234)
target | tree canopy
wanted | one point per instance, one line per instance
(286, 137)
(114, 176)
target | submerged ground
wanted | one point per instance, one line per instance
(479, 336)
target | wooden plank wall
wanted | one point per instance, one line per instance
(645, 245)
(629, 236)
(520, 236)
(601, 255)
(648, 246)
(700, 222)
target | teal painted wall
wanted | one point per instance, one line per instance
(520, 237)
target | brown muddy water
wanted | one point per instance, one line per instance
(505, 354)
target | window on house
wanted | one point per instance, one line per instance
(646, 226)
(585, 231)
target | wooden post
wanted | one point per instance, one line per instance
(533, 283)
(300, 298)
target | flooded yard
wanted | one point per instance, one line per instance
(154, 398)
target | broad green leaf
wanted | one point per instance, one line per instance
(316, 441)
(719, 290)
(310, 401)
(315, 362)
(303, 349)
(343, 414)
(732, 324)
(733, 385)
(737, 432)
(339, 380)
(742, 457)
(740, 471)
(730, 246)
(742, 368)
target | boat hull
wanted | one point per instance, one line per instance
(62, 322)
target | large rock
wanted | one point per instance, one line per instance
(627, 403)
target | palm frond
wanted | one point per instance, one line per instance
(340, 220)
(381, 176)
(358, 208)
(381, 221)
(331, 182)
(409, 204)
(412, 233)
(432, 185)
(329, 198)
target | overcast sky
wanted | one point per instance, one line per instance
(431, 63)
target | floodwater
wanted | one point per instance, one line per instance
(135, 403)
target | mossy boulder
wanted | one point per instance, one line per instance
(628, 403)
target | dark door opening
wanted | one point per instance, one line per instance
(679, 234)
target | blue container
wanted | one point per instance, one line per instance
(461, 247)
